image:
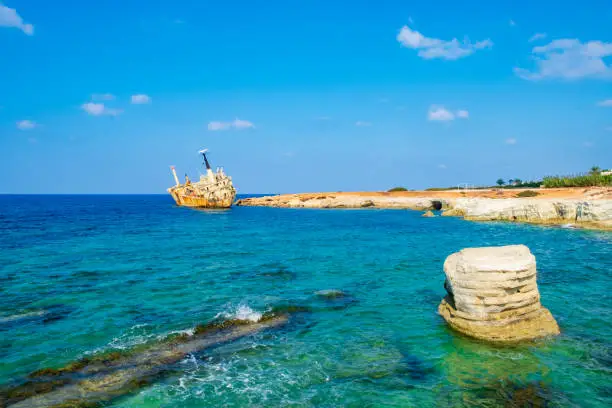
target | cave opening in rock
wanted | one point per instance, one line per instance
(436, 205)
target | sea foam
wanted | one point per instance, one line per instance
(241, 312)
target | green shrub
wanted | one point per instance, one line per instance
(394, 189)
(526, 184)
(581, 180)
(527, 193)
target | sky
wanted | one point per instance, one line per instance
(301, 95)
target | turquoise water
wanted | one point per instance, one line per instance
(87, 274)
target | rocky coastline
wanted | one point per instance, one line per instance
(592, 211)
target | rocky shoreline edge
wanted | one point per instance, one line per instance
(575, 213)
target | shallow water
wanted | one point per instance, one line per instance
(86, 274)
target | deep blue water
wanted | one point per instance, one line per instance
(85, 274)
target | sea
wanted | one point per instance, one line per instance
(90, 274)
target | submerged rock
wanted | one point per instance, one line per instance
(330, 293)
(96, 380)
(493, 295)
(428, 214)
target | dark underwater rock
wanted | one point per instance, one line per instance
(98, 379)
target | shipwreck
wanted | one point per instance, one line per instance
(213, 190)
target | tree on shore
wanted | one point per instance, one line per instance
(500, 182)
(595, 170)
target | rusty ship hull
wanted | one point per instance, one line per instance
(194, 201)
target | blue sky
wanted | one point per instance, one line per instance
(290, 96)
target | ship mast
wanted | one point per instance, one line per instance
(209, 171)
(175, 176)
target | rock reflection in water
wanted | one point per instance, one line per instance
(481, 375)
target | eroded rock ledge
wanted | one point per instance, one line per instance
(588, 213)
(325, 200)
(493, 295)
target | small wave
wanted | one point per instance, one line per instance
(138, 334)
(189, 332)
(142, 333)
(242, 312)
(135, 335)
(569, 226)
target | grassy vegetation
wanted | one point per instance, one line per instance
(394, 189)
(527, 193)
(582, 180)
(526, 184)
(594, 178)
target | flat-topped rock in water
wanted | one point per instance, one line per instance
(493, 295)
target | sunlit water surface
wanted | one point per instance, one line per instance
(86, 274)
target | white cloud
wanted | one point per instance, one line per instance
(99, 109)
(463, 114)
(242, 124)
(511, 141)
(537, 36)
(430, 48)
(440, 113)
(442, 166)
(141, 99)
(236, 124)
(219, 125)
(102, 97)
(606, 103)
(26, 124)
(362, 123)
(569, 59)
(10, 18)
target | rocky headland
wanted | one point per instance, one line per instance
(580, 208)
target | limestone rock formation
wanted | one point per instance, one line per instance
(590, 212)
(493, 295)
(547, 211)
(325, 200)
